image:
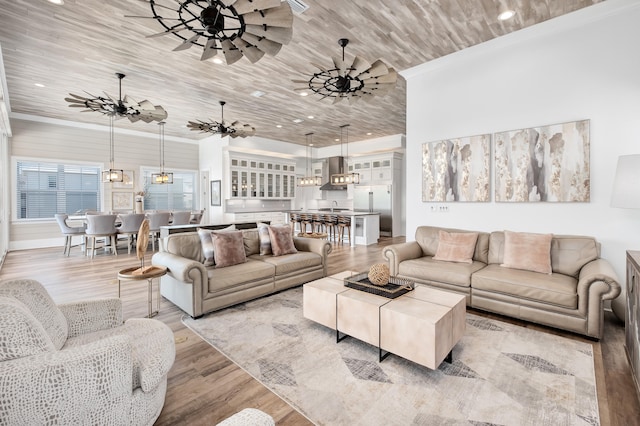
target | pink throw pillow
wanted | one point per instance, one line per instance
(456, 246)
(281, 240)
(527, 251)
(228, 248)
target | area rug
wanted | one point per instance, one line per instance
(502, 374)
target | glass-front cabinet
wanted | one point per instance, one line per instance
(260, 178)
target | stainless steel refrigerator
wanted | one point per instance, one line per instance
(375, 198)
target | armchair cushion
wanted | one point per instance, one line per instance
(20, 333)
(92, 315)
(36, 299)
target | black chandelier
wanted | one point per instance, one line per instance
(119, 107)
(235, 129)
(351, 80)
(248, 28)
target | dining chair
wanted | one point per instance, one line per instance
(69, 232)
(130, 225)
(101, 226)
(196, 217)
(156, 220)
(180, 218)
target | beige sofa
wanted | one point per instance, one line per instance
(570, 298)
(198, 289)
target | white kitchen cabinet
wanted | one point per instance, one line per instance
(260, 178)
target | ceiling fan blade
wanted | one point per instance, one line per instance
(337, 99)
(320, 67)
(209, 50)
(340, 65)
(278, 34)
(75, 101)
(301, 81)
(267, 46)
(377, 68)
(358, 67)
(280, 16)
(78, 97)
(173, 31)
(111, 98)
(78, 106)
(187, 43)
(252, 53)
(146, 106)
(228, 2)
(231, 54)
(391, 77)
(134, 118)
(247, 6)
(152, 17)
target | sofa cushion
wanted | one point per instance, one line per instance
(251, 241)
(232, 276)
(570, 253)
(20, 333)
(265, 239)
(281, 240)
(555, 289)
(228, 248)
(427, 238)
(528, 251)
(292, 262)
(456, 246)
(184, 244)
(428, 269)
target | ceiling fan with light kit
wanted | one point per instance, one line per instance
(234, 129)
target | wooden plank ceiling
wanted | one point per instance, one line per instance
(79, 46)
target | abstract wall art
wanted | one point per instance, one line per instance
(546, 163)
(456, 169)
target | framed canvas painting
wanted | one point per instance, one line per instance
(456, 169)
(216, 196)
(121, 201)
(545, 163)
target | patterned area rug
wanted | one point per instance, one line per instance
(501, 374)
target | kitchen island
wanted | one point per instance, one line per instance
(365, 226)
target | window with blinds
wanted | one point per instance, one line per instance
(44, 189)
(180, 195)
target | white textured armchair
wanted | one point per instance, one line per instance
(78, 363)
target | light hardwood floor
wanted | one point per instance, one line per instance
(205, 387)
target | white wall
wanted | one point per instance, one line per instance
(584, 65)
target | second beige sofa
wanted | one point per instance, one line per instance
(570, 298)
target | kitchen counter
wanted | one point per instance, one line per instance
(365, 226)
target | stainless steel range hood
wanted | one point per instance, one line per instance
(333, 166)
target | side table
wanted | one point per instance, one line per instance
(149, 273)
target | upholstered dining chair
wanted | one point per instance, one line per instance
(130, 224)
(70, 231)
(156, 220)
(101, 226)
(180, 217)
(196, 217)
(78, 363)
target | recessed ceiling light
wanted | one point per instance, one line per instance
(507, 14)
(369, 133)
(257, 93)
(337, 139)
(217, 60)
(310, 116)
(58, 2)
(304, 94)
(310, 144)
(39, 85)
(298, 120)
(279, 126)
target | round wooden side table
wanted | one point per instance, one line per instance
(147, 273)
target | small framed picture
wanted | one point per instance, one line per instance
(216, 194)
(121, 201)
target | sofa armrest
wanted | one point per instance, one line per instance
(314, 245)
(598, 271)
(92, 315)
(80, 385)
(181, 268)
(397, 253)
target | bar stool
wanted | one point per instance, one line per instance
(305, 220)
(101, 225)
(344, 222)
(330, 224)
(317, 222)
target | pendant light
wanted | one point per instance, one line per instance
(162, 177)
(309, 180)
(345, 178)
(113, 174)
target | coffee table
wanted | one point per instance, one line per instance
(422, 326)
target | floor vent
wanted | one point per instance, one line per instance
(298, 6)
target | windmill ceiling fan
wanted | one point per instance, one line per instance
(353, 80)
(238, 28)
(119, 107)
(235, 129)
